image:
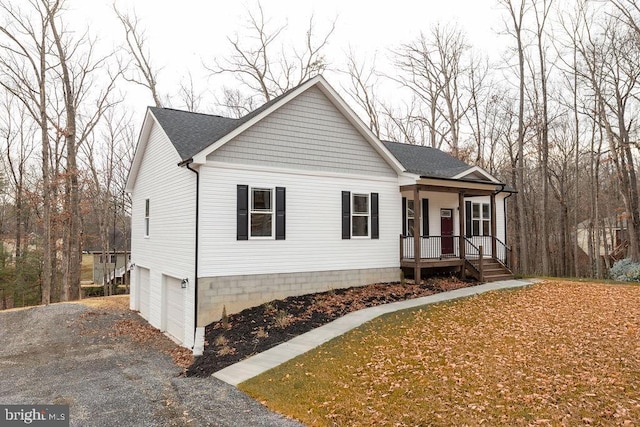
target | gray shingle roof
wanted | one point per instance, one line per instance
(426, 161)
(189, 132)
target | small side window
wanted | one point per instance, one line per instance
(146, 217)
(410, 217)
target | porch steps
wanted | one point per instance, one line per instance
(493, 270)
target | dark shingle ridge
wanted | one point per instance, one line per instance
(426, 161)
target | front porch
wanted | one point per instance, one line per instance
(464, 238)
(444, 251)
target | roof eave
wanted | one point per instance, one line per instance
(471, 181)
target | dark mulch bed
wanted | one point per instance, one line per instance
(257, 329)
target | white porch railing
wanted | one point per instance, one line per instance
(439, 247)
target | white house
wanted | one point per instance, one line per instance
(296, 197)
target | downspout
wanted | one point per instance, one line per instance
(187, 163)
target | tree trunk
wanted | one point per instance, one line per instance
(73, 255)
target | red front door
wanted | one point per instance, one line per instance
(446, 231)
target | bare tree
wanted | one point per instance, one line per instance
(259, 63)
(54, 74)
(136, 43)
(24, 67)
(18, 134)
(188, 95)
(106, 152)
(629, 13)
(611, 69)
(517, 10)
(434, 69)
(363, 81)
(542, 15)
(405, 123)
(415, 61)
(78, 68)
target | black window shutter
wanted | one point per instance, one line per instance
(280, 213)
(425, 217)
(467, 217)
(242, 214)
(375, 221)
(404, 216)
(346, 215)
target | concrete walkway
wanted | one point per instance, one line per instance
(256, 365)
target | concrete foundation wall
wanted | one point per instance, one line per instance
(239, 292)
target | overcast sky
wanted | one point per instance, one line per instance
(182, 34)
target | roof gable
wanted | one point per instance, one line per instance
(196, 135)
(273, 105)
(476, 173)
(307, 133)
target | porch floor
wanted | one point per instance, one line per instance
(444, 261)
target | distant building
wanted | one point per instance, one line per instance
(614, 236)
(110, 266)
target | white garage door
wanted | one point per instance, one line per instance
(144, 291)
(174, 308)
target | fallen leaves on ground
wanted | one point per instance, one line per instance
(141, 332)
(558, 353)
(260, 328)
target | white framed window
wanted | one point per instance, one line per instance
(261, 212)
(147, 216)
(480, 219)
(411, 216)
(360, 215)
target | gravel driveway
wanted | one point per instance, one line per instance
(70, 354)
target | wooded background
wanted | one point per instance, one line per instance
(555, 117)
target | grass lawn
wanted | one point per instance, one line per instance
(557, 353)
(86, 269)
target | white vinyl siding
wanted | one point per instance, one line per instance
(314, 221)
(169, 248)
(500, 212)
(308, 133)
